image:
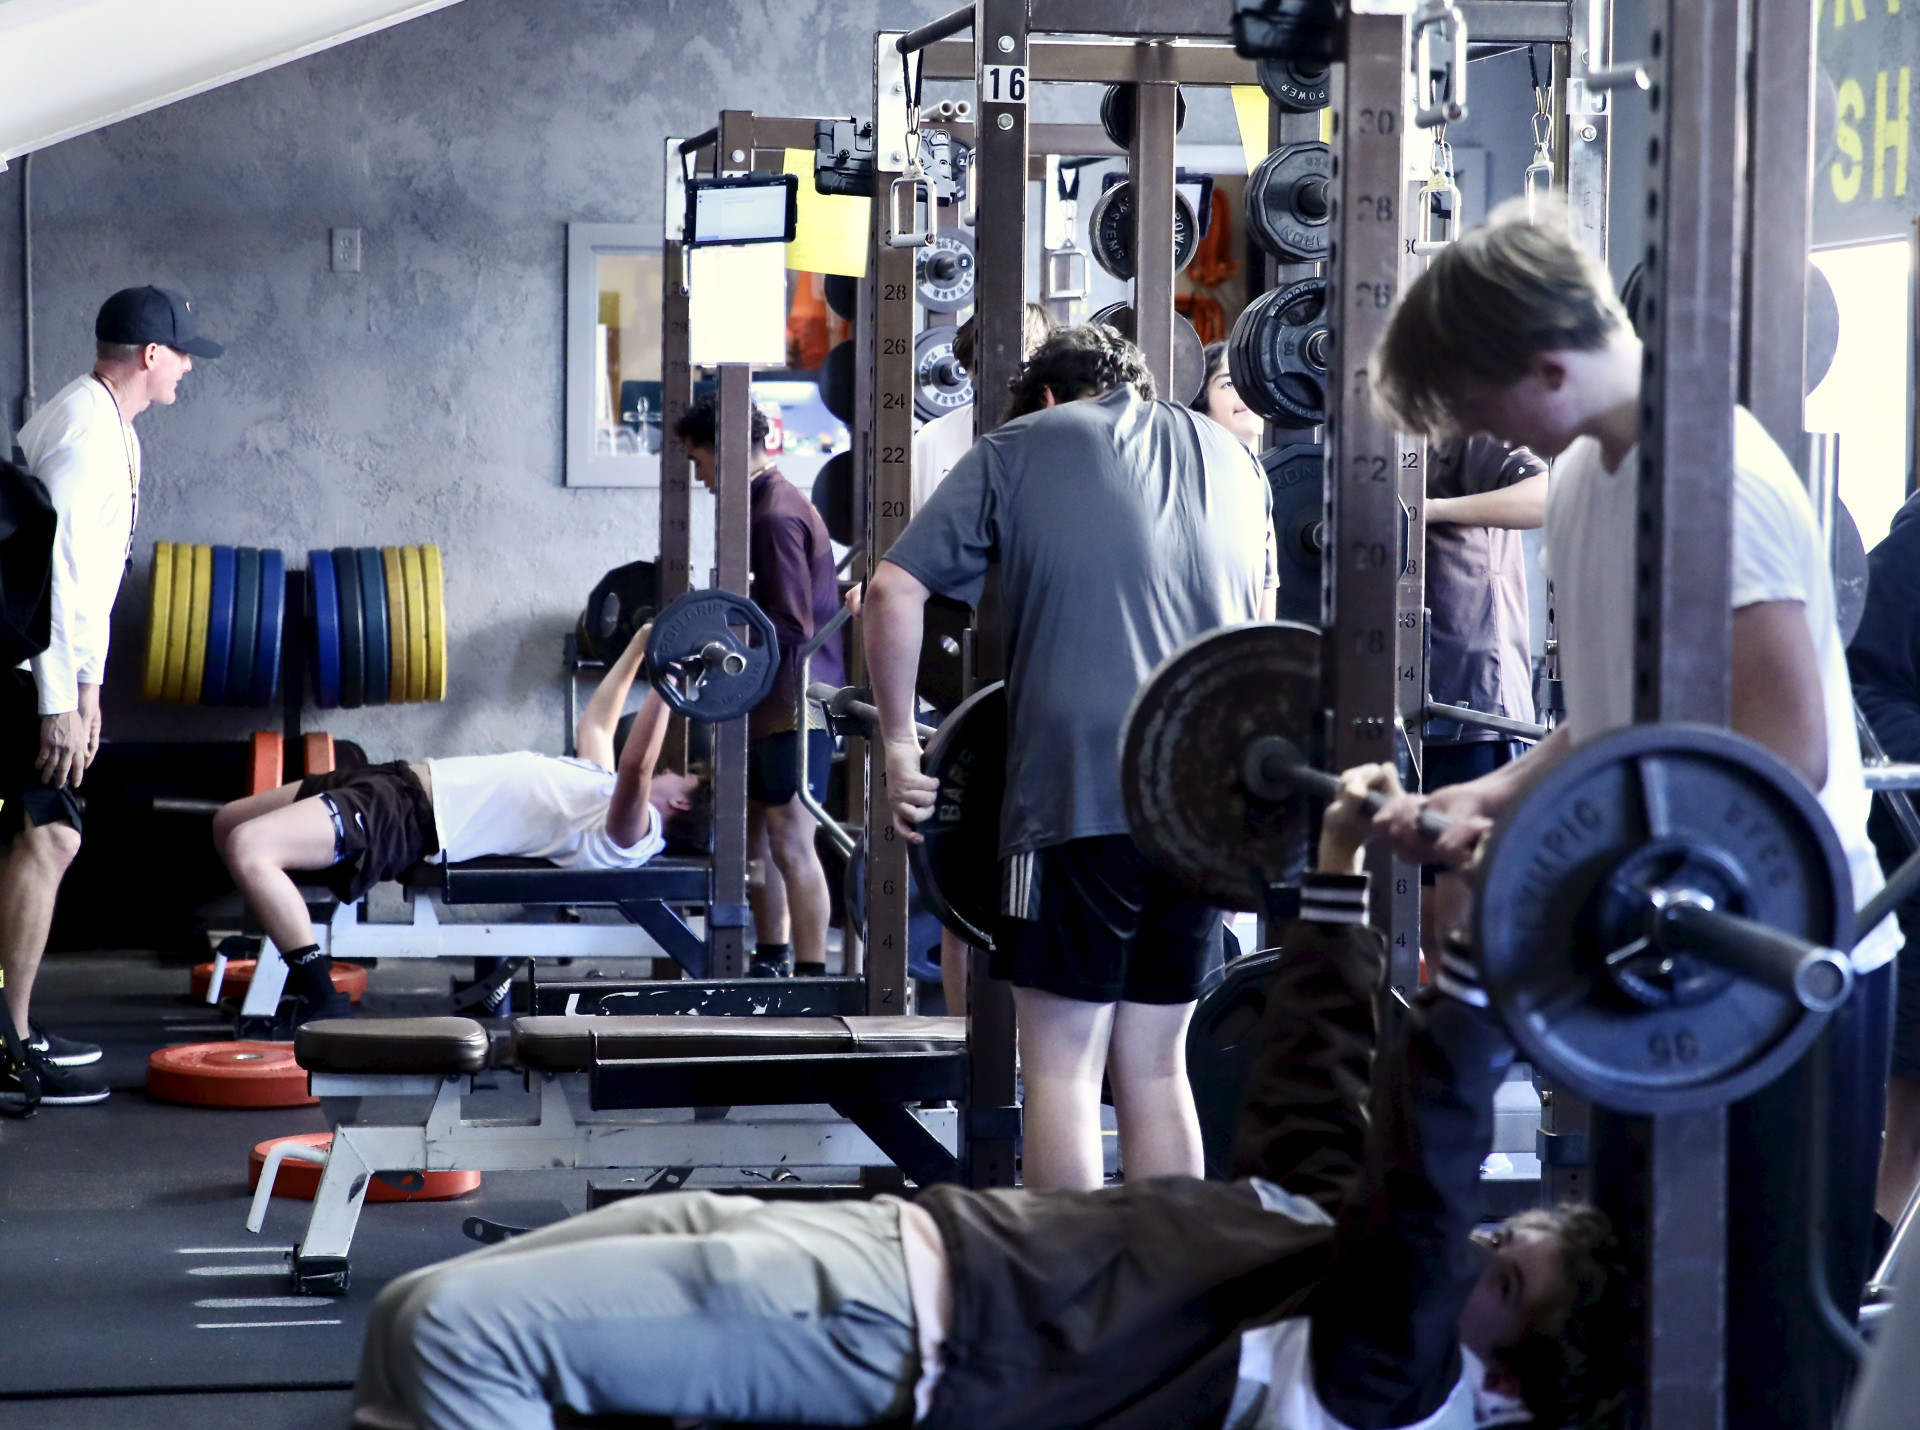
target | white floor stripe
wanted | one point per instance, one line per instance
(256, 1325)
(260, 1303)
(274, 1268)
(253, 1250)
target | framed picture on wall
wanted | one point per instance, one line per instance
(613, 355)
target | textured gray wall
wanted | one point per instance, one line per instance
(419, 400)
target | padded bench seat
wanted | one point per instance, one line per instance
(454, 1046)
(536, 881)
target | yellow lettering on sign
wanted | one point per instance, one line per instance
(1845, 172)
(1890, 133)
(1840, 12)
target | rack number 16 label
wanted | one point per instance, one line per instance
(1003, 84)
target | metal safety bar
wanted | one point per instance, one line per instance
(843, 701)
(1880, 778)
(943, 28)
(1460, 714)
(836, 831)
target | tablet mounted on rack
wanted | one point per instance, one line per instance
(758, 207)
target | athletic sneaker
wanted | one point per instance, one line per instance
(335, 1005)
(758, 967)
(59, 1086)
(62, 1052)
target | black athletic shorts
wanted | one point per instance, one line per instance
(23, 795)
(773, 766)
(1457, 762)
(1093, 920)
(382, 824)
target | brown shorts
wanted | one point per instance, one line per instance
(382, 824)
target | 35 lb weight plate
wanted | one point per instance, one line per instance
(153, 684)
(1288, 202)
(1566, 888)
(273, 615)
(416, 622)
(213, 681)
(1181, 747)
(1279, 351)
(246, 625)
(433, 579)
(940, 383)
(373, 600)
(1297, 86)
(1117, 107)
(198, 617)
(323, 628)
(957, 863)
(353, 629)
(944, 271)
(1189, 353)
(1297, 475)
(399, 639)
(1110, 231)
(713, 656)
(179, 621)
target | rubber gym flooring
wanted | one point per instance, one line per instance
(131, 1293)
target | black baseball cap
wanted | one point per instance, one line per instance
(139, 316)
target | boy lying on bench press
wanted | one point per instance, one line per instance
(601, 810)
(1340, 1284)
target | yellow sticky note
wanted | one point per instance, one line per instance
(832, 232)
(1250, 108)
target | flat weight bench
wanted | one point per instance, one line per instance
(871, 1074)
(647, 897)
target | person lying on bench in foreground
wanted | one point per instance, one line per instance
(599, 810)
(1339, 1283)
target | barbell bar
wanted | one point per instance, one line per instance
(1505, 724)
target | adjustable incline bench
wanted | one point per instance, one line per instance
(816, 1092)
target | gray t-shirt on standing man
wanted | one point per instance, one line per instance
(1123, 529)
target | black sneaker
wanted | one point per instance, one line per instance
(335, 1005)
(59, 1086)
(61, 1052)
(758, 967)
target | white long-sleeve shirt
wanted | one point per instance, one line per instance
(89, 460)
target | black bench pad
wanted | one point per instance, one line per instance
(535, 881)
(442, 1046)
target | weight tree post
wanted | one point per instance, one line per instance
(890, 499)
(1000, 172)
(1150, 175)
(676, 395)
(1362, 567)
(1683, 621)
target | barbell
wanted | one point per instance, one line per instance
(1659, 922)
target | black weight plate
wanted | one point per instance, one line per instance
(1181, 749)
(1297, 86)
(1110, 231)
(1823, 326)
(942, 678)
(1278, 353)
(940, 383)
(1297, 474)
(842, 294)
(1223, 1040)
(246, 624)
(1552, 905)
(1189, 353)
(1116, 113)
(1289, 204)
(271, 628)
(1849, 573)
(682, 635)
(957, 862)
(836, 381)
(833, 496)
(944, 272)
(353, 627)
(621, 602)
(373, 601)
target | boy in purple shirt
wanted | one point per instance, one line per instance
(794, 582)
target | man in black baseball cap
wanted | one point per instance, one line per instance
(83, 447)
(136, 317)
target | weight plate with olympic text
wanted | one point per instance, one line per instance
(323, 628)
(246, 626)
(416, 622)
(1189, 353)
(1296, 473)
(179, 619)
(1564, 896)
(1289, 203)
(398, 639)
(153, 684)
(957, 863)
(373, 601)
(1278, 353)
(1182, 748)
(353, 633)
(945, 271)
(213, 679)
(1110, 231)
(940, 383)
(712, 655)
(273, 619)
(433, 579)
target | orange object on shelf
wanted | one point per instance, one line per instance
(267, 762)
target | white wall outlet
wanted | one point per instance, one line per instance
(346, 250)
